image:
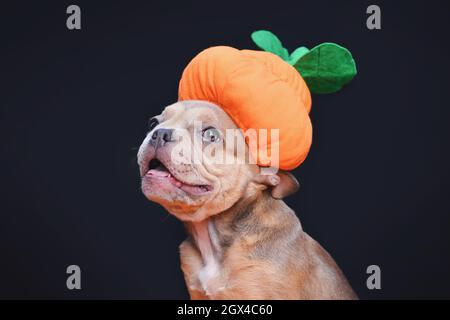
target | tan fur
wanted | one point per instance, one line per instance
(265, 255)
(244, 241)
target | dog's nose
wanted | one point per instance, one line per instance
(161, 136)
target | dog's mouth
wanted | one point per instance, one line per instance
(157, 170)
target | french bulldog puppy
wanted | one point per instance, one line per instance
(244, 241)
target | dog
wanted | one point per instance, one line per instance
(244, 241)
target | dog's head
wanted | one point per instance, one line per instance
(194, 162)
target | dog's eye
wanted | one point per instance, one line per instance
(152, 123)
(211, 134)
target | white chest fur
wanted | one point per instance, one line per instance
(210, 275)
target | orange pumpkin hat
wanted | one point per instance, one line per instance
(264, 90)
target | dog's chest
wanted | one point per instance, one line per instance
(210, 277)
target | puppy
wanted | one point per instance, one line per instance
(244, 241)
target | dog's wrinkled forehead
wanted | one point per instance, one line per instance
(183, 114)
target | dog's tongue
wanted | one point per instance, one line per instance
(159, 173)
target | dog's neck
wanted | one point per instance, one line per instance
(216, 234)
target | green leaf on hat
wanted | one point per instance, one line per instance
(267, 41)
(326, 68)
(297, 54)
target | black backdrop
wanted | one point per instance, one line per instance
(74, 107)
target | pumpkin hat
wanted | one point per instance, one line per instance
(269, 89)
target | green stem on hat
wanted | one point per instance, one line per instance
(325, 68)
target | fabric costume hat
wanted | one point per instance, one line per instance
(269, 89)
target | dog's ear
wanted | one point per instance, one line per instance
(288, 185)
(283, 183)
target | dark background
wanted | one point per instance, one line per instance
(74, 107)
